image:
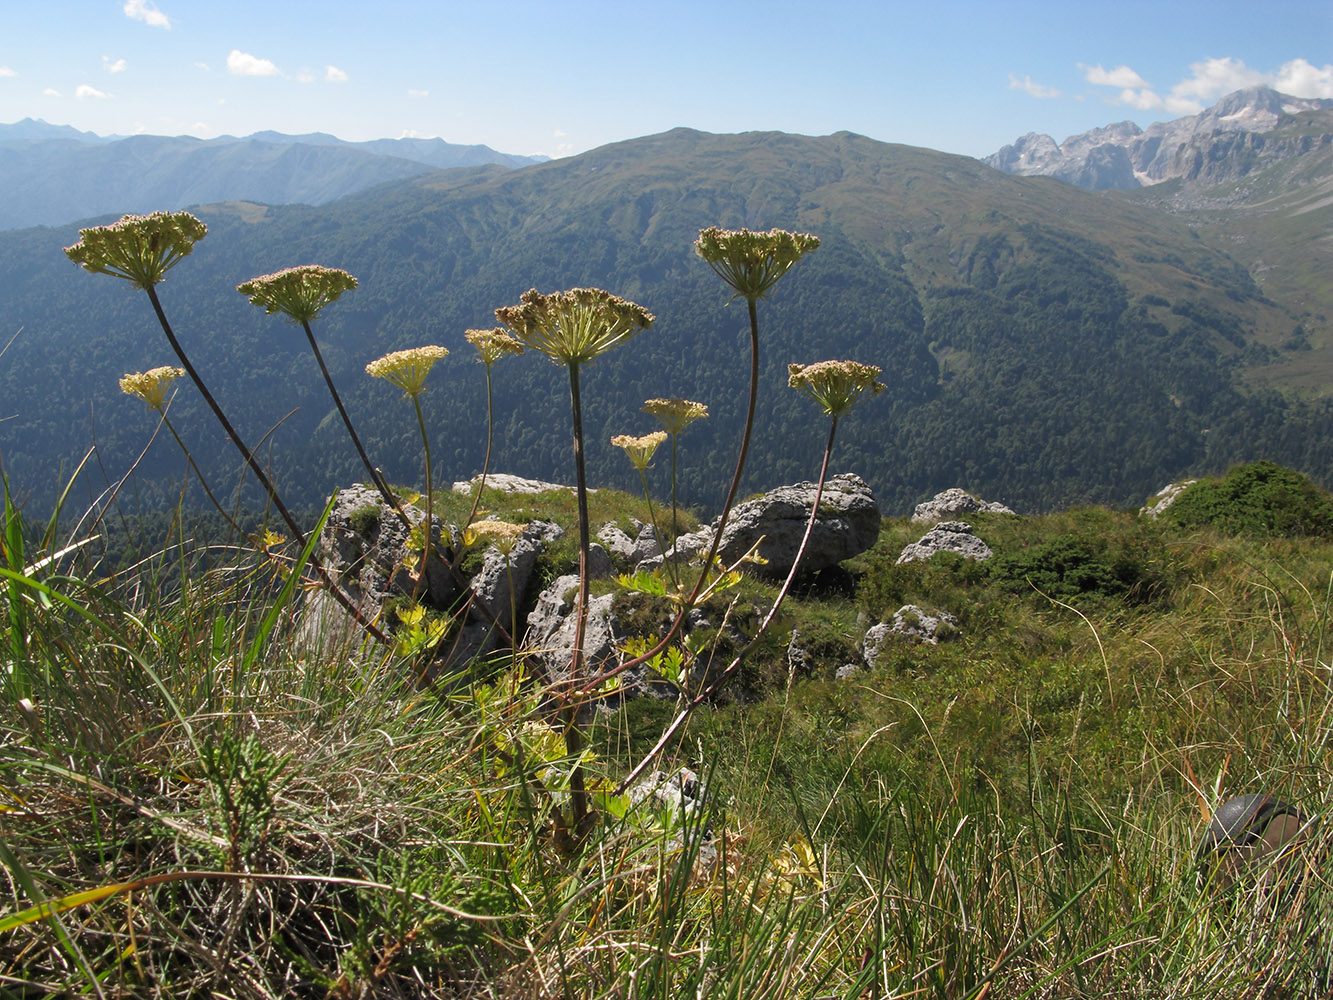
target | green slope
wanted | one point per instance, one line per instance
(1042, 345)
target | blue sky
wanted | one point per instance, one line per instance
(563, 77)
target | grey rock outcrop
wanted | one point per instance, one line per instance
(509, 484)
(551, 627)
(503, 584)
(947, 536)
(1164, 498)
(629, 551)
(364, 546)
(955, 501)
(847, 525)
(910, 624)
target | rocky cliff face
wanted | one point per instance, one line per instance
(1228, 140)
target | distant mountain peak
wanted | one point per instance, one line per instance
(1123, 156)
(56, 174)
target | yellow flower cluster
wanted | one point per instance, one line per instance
(493, 344)
(504, 535)
(835, 385)
(139, 248)
(151, 386)
(639, 449)
(750, 262)
(675, 414)
(574, 326)
(298, 292)
(407, 369)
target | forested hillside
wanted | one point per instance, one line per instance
(1042, 345)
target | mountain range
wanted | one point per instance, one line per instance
(1218, 144)
(1043, 345)
(54, 174)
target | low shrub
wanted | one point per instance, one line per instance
(1261, 498)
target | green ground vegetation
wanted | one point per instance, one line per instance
(198, 798)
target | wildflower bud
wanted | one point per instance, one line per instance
(835, 385)
(407, 369)
(139, 248)
(502, 534)
(750, 262)
(493, 344)
(639, 449)
(675, 414)
(575, 326)
(151, 386)
(299, 293)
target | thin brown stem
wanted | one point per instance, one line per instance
(199, 474)
(257, 468)
(722, 519)
(429, 524)
(486, 463)
(711, 688)
(578, 796)
(375, 477)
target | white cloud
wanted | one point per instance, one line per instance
(1214, 78)
(1030, 88)
(50, 92)
(418, 93)
(243, 64)
(6, 71)
(143, 10)
(332, 74)
(1300, 79)
(1145, 99)
(305, 76)
(1209, 80)
(1122, 77)
(113, 66)
(86, 93)
(559, 133)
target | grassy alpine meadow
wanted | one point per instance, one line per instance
(207, 790)
(196, 805)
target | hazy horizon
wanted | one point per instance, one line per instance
(527, 77)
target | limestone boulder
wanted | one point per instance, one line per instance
(947, 536)
(910, 624)
(1164, 498)
(953, 502)
(847, 525)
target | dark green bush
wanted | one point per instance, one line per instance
(1065, 567)
(1261, 498)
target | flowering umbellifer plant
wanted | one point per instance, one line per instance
(152, 386)
(750, 262)
(675, 414)
(575, 326)
(300, 293)
(408, 370)
(837, 386)
(141, 249)
(572, 328)
(491, 345)
(640, 451)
